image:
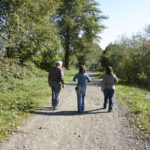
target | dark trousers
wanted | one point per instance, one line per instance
(109, 94)
(56, 87)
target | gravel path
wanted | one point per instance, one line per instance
(65, 129)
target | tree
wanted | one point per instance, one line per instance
(80, 23)
(29, 31)
(130, 58)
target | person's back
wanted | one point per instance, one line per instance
(81, 87)
(81, 77)
(55, 75)
(109, 80)
(55, 79)
(108, 87)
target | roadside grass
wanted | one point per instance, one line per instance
(68, 74)
(137, 100)
(18, 98)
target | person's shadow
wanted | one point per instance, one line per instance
(50, 111)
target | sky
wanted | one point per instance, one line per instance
(126, 17)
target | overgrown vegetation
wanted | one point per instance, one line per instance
(138, 102)
(130, 58)
(22, 90)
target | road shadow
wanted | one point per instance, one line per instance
(48, 111)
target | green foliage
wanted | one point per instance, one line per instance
(68, 74)
(130, 58)
(93, 58)
(22, 95)
(26, 89)
(10, 69)
(79, 23)
(18, 97)
(28, 31)
(137, 100)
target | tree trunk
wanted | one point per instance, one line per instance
(67, 51)
(67, 59)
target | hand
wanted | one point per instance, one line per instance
(102, 89)
(62, 85)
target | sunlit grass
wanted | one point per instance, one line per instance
(18, 99)
(69, 74)
(138, 101)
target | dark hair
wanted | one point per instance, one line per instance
(82, 69)
(109, 70)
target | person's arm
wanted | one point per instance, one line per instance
(116, 79)
(62, 77)
(88, 78)
(103, 84)
(75, 77)
(49, 78)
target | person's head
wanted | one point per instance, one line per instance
(109, 70)
(59, 63)
(82, 69)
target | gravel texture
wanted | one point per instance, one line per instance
(65, 128)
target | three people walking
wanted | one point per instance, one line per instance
(56, 81)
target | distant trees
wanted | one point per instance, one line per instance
(80, 22)
(130, 57)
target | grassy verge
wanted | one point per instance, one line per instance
(18, 98)
(69, 74)
(137, 100)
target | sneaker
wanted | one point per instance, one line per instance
(55, 108)
(109, 110)
(83, 109)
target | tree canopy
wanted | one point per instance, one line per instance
(130, 57)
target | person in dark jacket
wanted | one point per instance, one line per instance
(108, 87)
(55, 80)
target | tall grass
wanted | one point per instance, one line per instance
(22, 90)
(17, 99)
(138, 102)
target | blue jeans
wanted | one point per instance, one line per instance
(109, 94)
(81, 92)
(56, 87)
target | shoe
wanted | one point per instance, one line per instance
(109, 110)
(55, 108)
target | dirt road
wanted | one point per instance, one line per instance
(65, 129)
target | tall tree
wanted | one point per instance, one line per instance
(80, 23)
(29, 31)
